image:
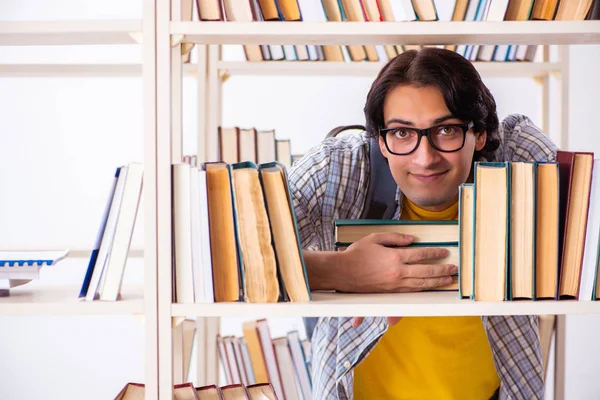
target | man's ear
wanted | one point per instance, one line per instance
(479, 140)
(382, 147)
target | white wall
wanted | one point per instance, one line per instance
(60, 140)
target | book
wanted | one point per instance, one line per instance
(226, 261)
(209, 392)
(575, 178)
(352, 230)
(257, 254)
(589, 265)
(20, 267)
(466, 224)
(492, 230)
(286, 238)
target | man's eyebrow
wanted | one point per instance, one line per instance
(409, 123)
(399, 121)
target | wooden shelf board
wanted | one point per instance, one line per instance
(405, 304)
(68, 32)
(370, 69)
(424, 33)
(31, 299)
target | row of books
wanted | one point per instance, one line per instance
(526, 230)
(259, 146)
(391, 11)
(235, 236)
(258, 358)
(106, 267)
(187, 391)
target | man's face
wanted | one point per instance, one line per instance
(429, 178)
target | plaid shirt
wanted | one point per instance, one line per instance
(331, 182)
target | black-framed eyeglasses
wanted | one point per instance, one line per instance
(446, 138)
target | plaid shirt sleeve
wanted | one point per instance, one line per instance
(331, 182)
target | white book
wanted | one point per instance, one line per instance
(195, 238)
(205, 251)
(286, 369)
(117, 259)
(98, 274)
(592, 242)
(182, 235)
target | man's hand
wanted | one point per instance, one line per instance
(356, 321)
(371, 266)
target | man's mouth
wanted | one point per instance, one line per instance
(428, 178)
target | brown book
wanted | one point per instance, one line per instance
(258, 257)
(289, 9)
(544, 10)
(185, 391)
(518, 10)
(132, 391)
(573, 10)
(209, 392)
(491, 230)
(575, 185)
(262, 391)
(547, 231)
(223, 246)
(283, 225)
(269, 10)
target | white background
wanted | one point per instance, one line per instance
(61, 140)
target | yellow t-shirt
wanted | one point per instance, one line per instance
(429, 357)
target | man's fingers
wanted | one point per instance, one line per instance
(390, 239)
(425, 283)
(416, 255)
(356, 321)
(430, 270)
(393, 320)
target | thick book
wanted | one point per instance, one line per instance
(575, 186)
(286, 237)
(209, 392)
(492, 230)
(352, 230)
(255, 242)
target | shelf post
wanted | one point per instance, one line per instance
(202, 103)
(214, 102)
(151, 360)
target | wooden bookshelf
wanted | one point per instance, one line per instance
(37, 299)
(401, 304)
(92, 32)
(424, 33)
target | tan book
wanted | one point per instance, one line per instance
(354, 13)
(425, 10)
(334, 14)
(255, 350)
(460, 10)
(466, 214)
(491, 230)
(518, 10)
(228, 144)
(223, 244)
(258, 257)
(209, 392)
(285, 234)
(573, 10)
(522, 230)
(283, 149)
(235, 392)
(352, 230)
(547, 234)
(262, 391)
(132, 391)
(185, 391)
(241, 11)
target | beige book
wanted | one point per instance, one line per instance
(491, 232)
(334, 14)
(573, 10)
(522, 235)
(465, 244)
(284, 234)
(258, 256)
(132, 391)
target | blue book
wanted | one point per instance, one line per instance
(11, 261)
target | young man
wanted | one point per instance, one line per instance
(431, 117)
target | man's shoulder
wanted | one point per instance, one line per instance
(522, 140)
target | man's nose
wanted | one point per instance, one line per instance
(425, 155)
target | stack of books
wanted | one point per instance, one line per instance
(257, 358)
(20, 267)
(235, 235)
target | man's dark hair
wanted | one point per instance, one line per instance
(465, 94)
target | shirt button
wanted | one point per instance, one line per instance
(382, 326)
(347, 364)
